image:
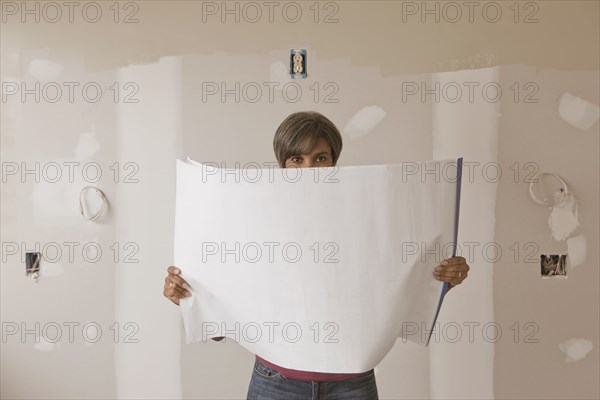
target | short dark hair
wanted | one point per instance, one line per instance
(297, 127)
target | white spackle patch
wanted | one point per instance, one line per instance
(576, 250)
(49, 269)
(87, 145)
(54, 197)
(578, 112)
(576, 349)
(364, 121)
(45, 70)
(279, 73)
(46, 345)
(563, 219)
(50, 200)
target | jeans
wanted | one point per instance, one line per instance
(268, 384)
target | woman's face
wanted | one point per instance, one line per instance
(319, 157)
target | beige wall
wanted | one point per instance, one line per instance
(366, 58)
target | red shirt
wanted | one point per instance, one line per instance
(308, 375)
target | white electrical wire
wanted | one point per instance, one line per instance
(535, 180)
(83, 209)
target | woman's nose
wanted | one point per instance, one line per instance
(307, 164)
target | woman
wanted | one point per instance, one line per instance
(308, 140)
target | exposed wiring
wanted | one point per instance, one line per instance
(563, 189)
(83, 209)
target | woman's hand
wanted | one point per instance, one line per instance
(452, 270)
(176, 287)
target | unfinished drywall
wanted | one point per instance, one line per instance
(366, 72)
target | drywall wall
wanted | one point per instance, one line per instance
(364, 79)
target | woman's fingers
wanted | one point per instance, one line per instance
(175, 287)
(173, 270)
(452, 270)
(455, 261)
(170, 294)
(176, 280)
(175, 293)
(174, 273)
(177, 290)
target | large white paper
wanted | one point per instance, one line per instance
(317, 269)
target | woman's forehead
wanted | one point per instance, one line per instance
(320, 146)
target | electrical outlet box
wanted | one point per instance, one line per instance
(298, 64)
